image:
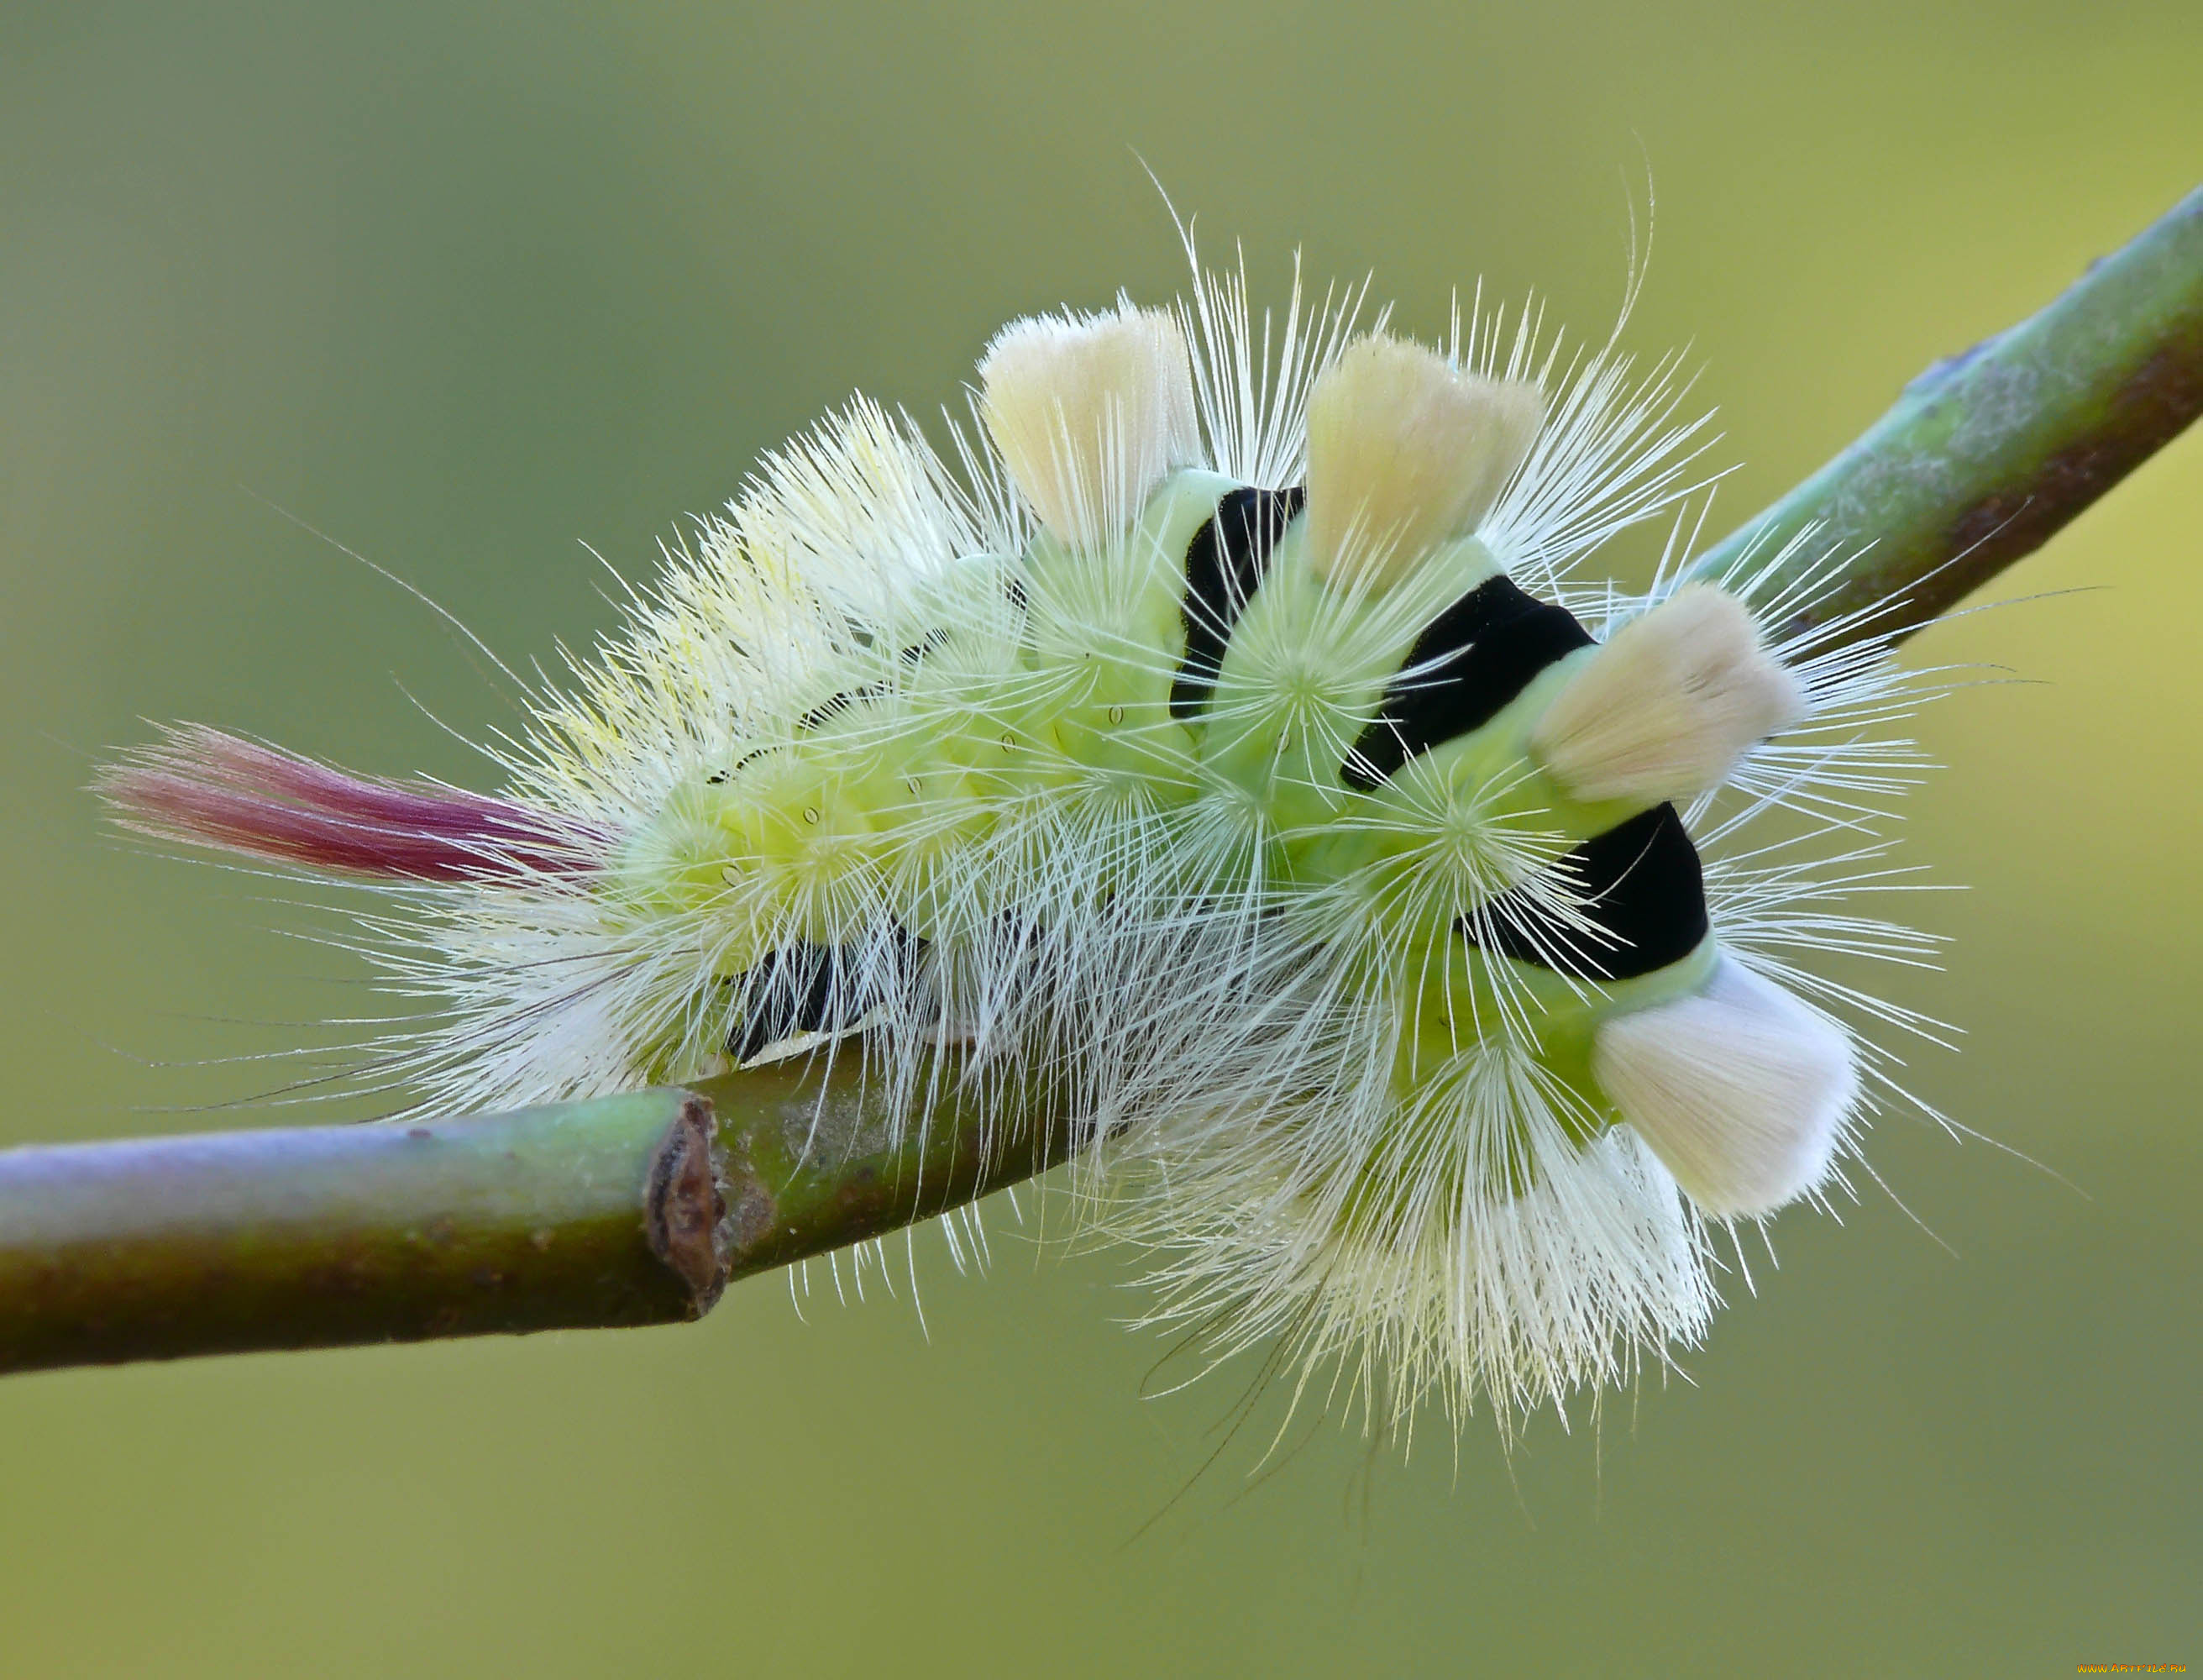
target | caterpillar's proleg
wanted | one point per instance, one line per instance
(1230, 740)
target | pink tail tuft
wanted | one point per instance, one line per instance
(214, 790)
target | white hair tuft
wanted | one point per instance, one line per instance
(1742, 1091)
(1089, 413)
(1664, 710)
(1406, 451)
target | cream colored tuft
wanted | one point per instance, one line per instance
(1089, 413)
(1405, 452)
(1664, 709)
(1741, 1091)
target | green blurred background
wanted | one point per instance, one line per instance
(468, 285)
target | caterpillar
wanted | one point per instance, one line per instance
(1220, 725)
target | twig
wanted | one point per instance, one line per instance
(624, 1210)
(1990, 454)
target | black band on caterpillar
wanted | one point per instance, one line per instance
(808, 988)
(1640, 884)
(1466, 665)
(1224, 567)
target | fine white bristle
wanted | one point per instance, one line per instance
(1665, 708)
(1404, 452)
(1089, 413)
(1741, 1091)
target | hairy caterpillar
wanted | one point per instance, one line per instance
(1226, 733)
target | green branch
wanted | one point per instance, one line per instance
(1989, 454)
(640, 1209)
(632, 1210)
